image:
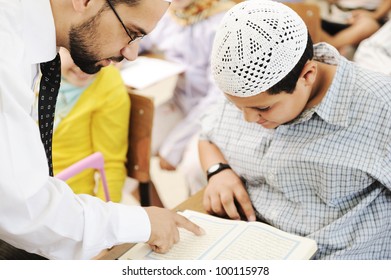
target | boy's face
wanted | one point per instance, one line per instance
(270, 111)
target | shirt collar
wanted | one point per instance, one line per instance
(335, 104)
(334, 107)
(40, 32)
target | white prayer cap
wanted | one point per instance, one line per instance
(257, 44)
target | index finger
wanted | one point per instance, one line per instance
(244, 202)
(185, 223)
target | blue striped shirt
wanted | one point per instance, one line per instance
(327, 174)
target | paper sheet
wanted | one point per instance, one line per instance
(146, 71)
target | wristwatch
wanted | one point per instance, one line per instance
(216, 168)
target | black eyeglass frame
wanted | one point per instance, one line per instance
(132, 38)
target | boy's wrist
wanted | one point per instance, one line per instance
(216, 168)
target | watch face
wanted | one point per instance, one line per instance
(216, 168)
(213, 168)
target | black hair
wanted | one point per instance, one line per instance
(288, 83)
(106, 6)
(130, 3)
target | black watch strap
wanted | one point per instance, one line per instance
(216, 168)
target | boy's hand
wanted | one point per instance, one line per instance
(222, 191)
(164, 228)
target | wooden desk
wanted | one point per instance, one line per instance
(192, 203)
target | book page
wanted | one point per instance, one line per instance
(262, 243)
(145, 71)
(231, 240)
(190, 247)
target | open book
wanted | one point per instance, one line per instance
(230, 240)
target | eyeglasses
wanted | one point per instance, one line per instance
(134, 37)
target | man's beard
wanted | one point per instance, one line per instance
(81, 52)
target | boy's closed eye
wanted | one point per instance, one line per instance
(263, 109)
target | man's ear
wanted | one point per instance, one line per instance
(80, 5)
(309, 72)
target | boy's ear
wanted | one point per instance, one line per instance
(80, 5)
(309, 72)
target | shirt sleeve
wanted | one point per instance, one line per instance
(382, 166)
(381, 169)
(211, 119)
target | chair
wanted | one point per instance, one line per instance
(310, 13)
(139, 151)
(138, 155)
(95, 161)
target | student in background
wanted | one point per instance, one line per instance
(312, 155)
(375, 52)
(92, 115)
(185, 35)
(350, 21)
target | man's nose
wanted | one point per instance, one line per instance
(130, 52)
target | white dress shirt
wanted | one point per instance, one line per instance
(38, 213)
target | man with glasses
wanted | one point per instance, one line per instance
(39, 213)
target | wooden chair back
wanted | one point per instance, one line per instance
(310, 13)
(140, 137)
(139, 150)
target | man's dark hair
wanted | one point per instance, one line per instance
(129, 3)
(288, 83)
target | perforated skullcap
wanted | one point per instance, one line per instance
(257, 44)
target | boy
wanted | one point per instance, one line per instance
(375, 52)
(315, 157)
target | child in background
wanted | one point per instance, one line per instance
(185, 35)
(92, 114)
(348, 22)
(313, 154)
(375, 52)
